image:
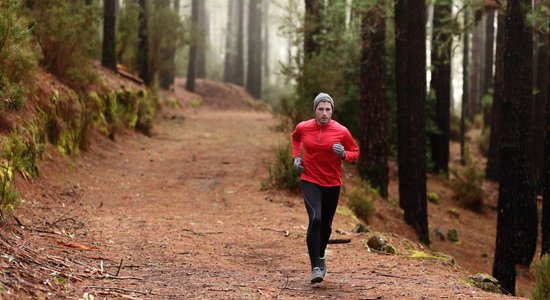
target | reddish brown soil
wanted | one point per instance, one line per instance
(182, 214)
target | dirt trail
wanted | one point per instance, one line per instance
(184, 212)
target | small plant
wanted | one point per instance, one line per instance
(8, 197)
(361, 201)
(542, 283)
(282, 173)
(433, 197)
(484, 140)
(469, 186)
(20, 154)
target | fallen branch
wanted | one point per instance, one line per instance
(339, 241)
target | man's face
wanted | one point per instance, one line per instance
(323, 113)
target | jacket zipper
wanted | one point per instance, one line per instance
(320, 132)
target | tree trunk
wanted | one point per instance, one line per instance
(29, 3)
(373, 162)
(492, 169)
(108, 55)
(143, 44)
(465, 86)
(230, 47)
(202, 42)
(167, 71)
(190, 82)
(489, 52)
(88, 2)
(441, 84)
(239, 63)
(254, 66)
(476, 74)
(517, 212)
(411, 97)
(265, 41)
(312, 27)
(541, 86)
(545, 249)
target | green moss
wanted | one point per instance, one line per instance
(434, 256)
(433, 197)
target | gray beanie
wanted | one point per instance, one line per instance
(322, 97)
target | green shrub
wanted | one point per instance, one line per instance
(282, 174)
(361, 201)
(17, 61)
(484, 140)
(67, 33)
(542, 283)
(8, 196)
(469, 186)
(146, 111)
(20, 154)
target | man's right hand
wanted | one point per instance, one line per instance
(298, 164)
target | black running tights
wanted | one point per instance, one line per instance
(320, 202)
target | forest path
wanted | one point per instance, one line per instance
(185, 213)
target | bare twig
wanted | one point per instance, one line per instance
(339, 241)
(116, 289)
(286, 232)
(119, 266)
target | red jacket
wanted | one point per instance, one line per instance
(321, 165)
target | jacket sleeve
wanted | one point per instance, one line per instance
(351, 148)
(297, 141)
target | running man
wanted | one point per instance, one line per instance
(325, 144)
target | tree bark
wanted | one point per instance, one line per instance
(489, 61)
(239, 63)
(517, 212)
(492, 169)
(373, 162)
(541, 86)
(441, 84)
(108, 55)
(143, 44)
(545, 249)
(230, 45)
(190, 82)
(254, 65)
(411, 97)
(465, 87)
(202, 42)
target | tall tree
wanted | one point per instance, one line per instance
(191, 67)
(312, 27)
(476, 72)
(239, 63)
(410, 61)
(108, 55)
(202, 42)
(373, 163)
(545, 249)
(254, 65)
(167, 44)
(517, 212)
(540, 73)
(230, 43)
(307, 86)
(143, 44)
(465, 85)
(265, 41)
(492, 168)
(441, 83)
(489, 61)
